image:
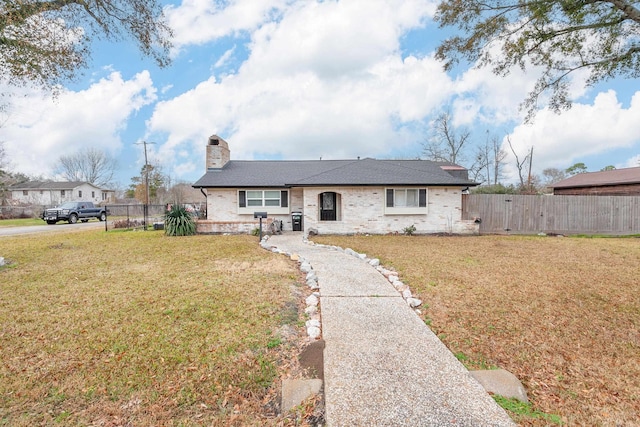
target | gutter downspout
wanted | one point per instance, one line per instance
(205, 201)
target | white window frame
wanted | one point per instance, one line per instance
(405, 210)
(266, 201)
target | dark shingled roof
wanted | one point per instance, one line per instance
(47, 185)
(602, 178)
(309, 173)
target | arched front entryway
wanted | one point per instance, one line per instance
(329, 203)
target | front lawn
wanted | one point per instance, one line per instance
(562, 314)
(110, 329)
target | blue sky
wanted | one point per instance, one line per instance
(302, 79)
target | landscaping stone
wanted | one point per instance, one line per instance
(502, 382)
(351, 252)
(294, 392)
(414, 302)
(312, 322)
(305, 267)
(312, 300)
(313, 332)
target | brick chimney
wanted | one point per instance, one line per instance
(218, 153)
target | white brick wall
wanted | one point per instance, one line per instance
(361, 211)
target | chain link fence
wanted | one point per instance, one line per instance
(123, 216)
(133, 216)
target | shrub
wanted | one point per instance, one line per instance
(409, 230)
(179, 222)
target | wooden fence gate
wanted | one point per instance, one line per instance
(521, 214)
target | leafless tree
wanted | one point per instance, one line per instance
(521, 165)
(488, 162)
(446, 143)
(90, 165)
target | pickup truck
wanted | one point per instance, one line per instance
(74, 211)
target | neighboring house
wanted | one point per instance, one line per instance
(54, 193)
(333, 196)
(616, 182)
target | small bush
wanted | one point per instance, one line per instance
(179, 222)
(128, 223)
(409, 230)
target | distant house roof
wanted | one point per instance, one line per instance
(602, 178)
(50, 185)
(308, 173)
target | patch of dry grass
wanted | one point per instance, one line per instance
(562, 314)
(110, 329)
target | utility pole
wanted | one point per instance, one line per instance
(145, 208)
(530, 164)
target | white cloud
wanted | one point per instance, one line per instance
(327, 79)
(224, 58)
(39, 130)
(201, 21)
(633, 162)
(333, 39)
(585, 130)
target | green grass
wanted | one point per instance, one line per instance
(138, 328)
(21, 222)
(521, 411)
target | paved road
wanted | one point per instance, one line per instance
(45, 228)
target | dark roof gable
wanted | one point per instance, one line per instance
(308, 173)
(602, 178)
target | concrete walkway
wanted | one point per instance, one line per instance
(382, 365)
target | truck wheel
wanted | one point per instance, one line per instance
(103, 216)
(73, 218)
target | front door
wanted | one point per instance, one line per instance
(328, 206)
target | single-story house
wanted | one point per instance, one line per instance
(332, 196)
(55, 193)
(616, 182)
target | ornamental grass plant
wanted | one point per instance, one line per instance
(179, 222)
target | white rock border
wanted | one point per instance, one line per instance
(314, 324)
(391, 275)
(312, 309)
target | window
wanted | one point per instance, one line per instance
(25, 192)
(62, 193)
(93, 194)
(273, 201)
(79, 193)
(406, 201)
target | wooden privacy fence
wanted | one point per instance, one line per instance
(520, 214)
